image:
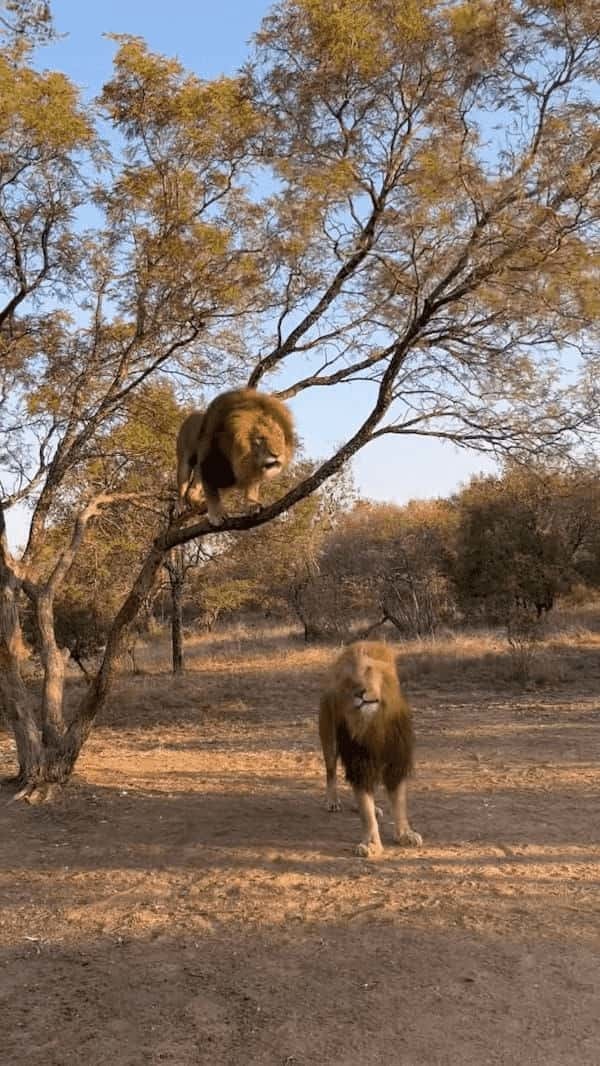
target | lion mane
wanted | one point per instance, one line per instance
(365, 721)
(244, 438)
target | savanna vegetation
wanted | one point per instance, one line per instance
(393, 205)
(399, 198)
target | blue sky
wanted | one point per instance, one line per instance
(212, 38)
(209, 38)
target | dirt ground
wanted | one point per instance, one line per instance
(190, 901)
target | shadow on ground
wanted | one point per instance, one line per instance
(189, 901)
(331, 994)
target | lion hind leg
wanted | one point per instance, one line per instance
(329, 746)
(185, 476)
(332, 802)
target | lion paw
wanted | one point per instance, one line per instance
(333, 805)
(216, 518)
(408, 839)
(368, 851)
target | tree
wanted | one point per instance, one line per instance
(133, 458)
(153, 286)
(182, 561)
(520, 537)
(23, 22)
(385, 563)
(272, 566)
(399, 249)
(417, 595)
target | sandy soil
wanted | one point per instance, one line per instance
(189, 900)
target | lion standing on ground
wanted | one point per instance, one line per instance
(365, 720)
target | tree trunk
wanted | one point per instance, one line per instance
(53, 661)
(14, 699)
(177, 627)
(95, 696)
(49, 760)
(177, 581)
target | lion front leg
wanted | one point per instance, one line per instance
(252, 495)
(214, 507)
(370, 845)
(403, 834)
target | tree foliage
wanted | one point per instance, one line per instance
(272, 565)
(383, 563)
(523, 539)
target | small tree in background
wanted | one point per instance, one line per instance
(391, 564)
(181, 565)
(519, 539)
(272, 567)
(418, 597)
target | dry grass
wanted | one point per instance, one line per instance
(567, 653)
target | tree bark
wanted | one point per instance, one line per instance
(14, 700)
(48, 759)
(53, 661)
(13, 694)
(176, 572)
(177, 627)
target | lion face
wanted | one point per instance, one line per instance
(269, 452)
(363, 686)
